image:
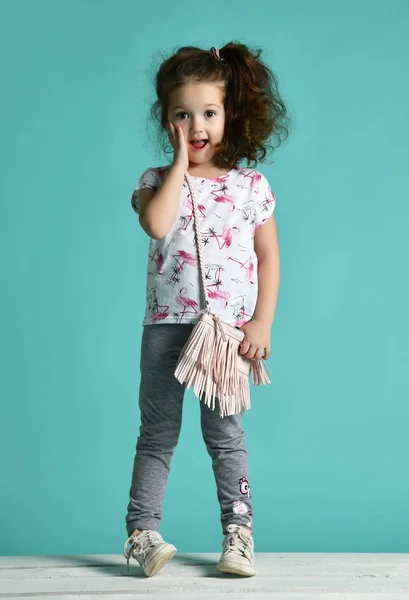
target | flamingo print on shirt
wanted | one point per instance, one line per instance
(255, 178)
(186, 220)
(187, 303)
(224, 198)
(248, 266)
(267, 204)
(226, 236)
(248, 214)
(156, 311)
(157, 258)
(213, 275)
(240, 315)
(231, 208)
(181, 258)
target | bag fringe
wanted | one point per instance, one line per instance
(259, 373)
(209, 365)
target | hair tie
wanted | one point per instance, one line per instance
(216, 54)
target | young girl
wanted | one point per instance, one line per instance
(217, 107)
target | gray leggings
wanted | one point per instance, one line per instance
(160, 402)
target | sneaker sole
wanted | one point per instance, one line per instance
(160, 560)
(236, 569)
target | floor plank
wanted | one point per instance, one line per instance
(193, 576)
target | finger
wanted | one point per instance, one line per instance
(181, 137)
(174, 136)
(244, 347)
(259, 354)
(251, 352)
(180, 134)
(169, 127)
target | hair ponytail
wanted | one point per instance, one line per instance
(255, 111)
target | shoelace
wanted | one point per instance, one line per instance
(239, 543)
(149, 539)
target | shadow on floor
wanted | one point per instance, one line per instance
(203, 567)
(106, 566)
(206, 566)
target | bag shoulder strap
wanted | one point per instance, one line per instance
(199, 242)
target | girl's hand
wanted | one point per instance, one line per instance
(177, 139)
(256, 343)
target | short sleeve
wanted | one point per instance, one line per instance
(149, 179)
(264, 200)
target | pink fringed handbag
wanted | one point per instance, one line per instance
(210, 360)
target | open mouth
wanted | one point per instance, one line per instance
(198, 144)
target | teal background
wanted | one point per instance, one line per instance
(328, 441)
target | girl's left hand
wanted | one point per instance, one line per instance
(256, 343)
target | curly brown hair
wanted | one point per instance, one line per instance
(256, 117)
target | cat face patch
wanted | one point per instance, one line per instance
(244, 486)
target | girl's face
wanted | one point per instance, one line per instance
(198, 108)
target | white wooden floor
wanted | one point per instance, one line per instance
(191, 576)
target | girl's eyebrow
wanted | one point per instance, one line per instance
(183, 108)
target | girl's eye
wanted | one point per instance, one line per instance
(210, 111)
(180, 115)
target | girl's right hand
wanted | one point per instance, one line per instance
(179, 145)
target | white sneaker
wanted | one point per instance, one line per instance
(238, 552)
(149, 549)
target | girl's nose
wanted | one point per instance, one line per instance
(196, 126)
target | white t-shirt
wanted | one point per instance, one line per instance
(231, 207)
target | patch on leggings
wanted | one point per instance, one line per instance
(244, 486)
(239, 508)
